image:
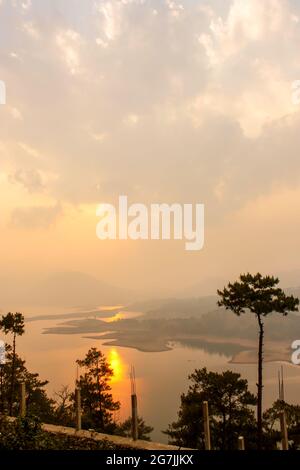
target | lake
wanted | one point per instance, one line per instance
(160, 377)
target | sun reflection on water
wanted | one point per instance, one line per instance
(116, 317)
(121, 315)
(117, 366)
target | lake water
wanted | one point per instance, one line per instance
(160, 377)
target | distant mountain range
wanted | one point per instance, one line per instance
(77, 289)
(209, 286)
(176, 308)
(64, 289)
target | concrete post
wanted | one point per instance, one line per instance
(134, 417)
(284, 433)
(241, 443)
(22, 400)
(206, 426)
(78, 408)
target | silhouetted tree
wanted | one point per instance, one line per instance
(271, 420)
(12, 323)
(37, 401)
(230, 411)
(125, 429)
(97, 401)
(64, 413)
(260, 296)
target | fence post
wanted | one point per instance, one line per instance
(22, 400)
(134, 417)
(206, 426)
(78, 408)
(241, 443)
(284, 434)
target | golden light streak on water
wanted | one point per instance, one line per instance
(118, 367)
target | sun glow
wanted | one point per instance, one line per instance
(121, 316)
(116, 317)
(117, 366)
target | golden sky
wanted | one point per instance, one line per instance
(164, 101)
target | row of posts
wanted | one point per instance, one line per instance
(207, 441)
(134, 419)
(241, 441)
(134, 412)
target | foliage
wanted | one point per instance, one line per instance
(37, 401)
(125, 429)
(230, 409)
(292, 414)
(64, 409)
(261, 296)
(27, 434)
(257, 294)
(97, 401)
(12, 323)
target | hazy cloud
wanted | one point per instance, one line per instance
(169, 101)
(31, 179)
(31, 218)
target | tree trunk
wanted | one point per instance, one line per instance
(260, 382)
(12, 383)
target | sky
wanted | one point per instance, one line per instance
(163, 101)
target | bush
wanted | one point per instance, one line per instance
(27, 434)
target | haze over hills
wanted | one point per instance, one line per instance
(176, 307)
(209, 286)
(64, 289)
(78, 289)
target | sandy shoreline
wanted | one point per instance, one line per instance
(273, 351)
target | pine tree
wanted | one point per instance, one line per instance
(261, 296)
(98, 404)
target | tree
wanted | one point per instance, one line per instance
(64, 407)
(260, 296)
(37, 401)
(125, 429)
(271, 419)
(12, 323)
(230, 411)
(97, 401)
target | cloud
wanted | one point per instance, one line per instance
(176, 8)
(69, 42)
(16, 113)
(31, 30)
(112, 18)
(26, 4)
(250, 52)
(169, 101)
(31, 179)
(37, 217)
(29, 150)
(247, 21)
(172, 106)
